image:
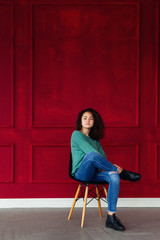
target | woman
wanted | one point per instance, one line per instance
(90, 162)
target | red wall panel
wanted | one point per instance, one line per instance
(125, 155)
(7, 163)
(58, 57)
(48, 165)
(100, 47)
(158, 163)
(158, 64)
(6, 66)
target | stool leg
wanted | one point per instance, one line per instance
(99, 203)
(74, 201)
(84, 206)
(105, 190)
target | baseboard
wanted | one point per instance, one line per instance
(67, 202)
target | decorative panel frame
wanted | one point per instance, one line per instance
(137, 98)
(12, 164)
(157, 100)
(10, 4)
(157, 163)
(137, 153)
(32, 180)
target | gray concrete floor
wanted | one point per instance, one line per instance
(52, 224)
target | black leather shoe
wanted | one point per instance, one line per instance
(130, 176)
(113, 222)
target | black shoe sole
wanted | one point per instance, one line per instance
(113, 227)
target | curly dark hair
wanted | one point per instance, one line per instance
(97, 131)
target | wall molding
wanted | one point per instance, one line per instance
(12, 67)
(12, 163)
(51, 3)
(67, 202)
(32, 146)
(136, 145)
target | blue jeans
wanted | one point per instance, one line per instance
(89, 171)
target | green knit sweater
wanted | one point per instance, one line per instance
(80, 145)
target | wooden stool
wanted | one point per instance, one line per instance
(84, 187)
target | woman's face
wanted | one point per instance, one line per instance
(87, 120)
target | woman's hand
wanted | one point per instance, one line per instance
(119, 168)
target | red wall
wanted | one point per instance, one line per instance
(58, 57)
